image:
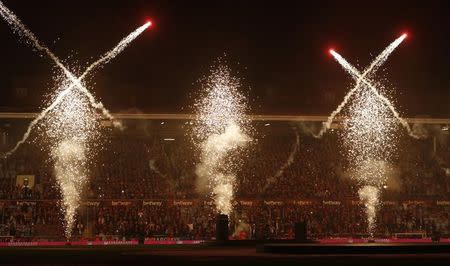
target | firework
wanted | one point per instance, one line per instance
(221, 132)
(70, 121)
(370, 196)
(70, 161)
(369, 71)
(71, 130)
(360, 78)
(21, 29)
(370, 130)
(369, 137)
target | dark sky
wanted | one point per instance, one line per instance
(279, 49)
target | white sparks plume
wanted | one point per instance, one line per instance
(220, 132)
(72, 131)
(369, 136)
(370, 196)
(70, 162)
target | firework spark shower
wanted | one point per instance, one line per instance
(71, 130)
(70, 121)
(369, 136)
(370, 132)
(220, 132)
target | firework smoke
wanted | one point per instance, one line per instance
(391, 173)
(212, 167)
(220, 132)
(154, 168)
(288, 162)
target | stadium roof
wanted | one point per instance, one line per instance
(293, 118)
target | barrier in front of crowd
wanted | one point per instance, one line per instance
(196, 242)
(100, 243)
(241, 202)
(349, 240)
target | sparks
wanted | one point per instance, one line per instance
(376, 64)
(220, 131)
(72, 131)
(369, 140)
(70, 121)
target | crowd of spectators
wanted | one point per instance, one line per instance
(197, 221)
(137, 168)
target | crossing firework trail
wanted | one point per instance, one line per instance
(21, 29)
(369, 135)
(358, 76)
(379, 60)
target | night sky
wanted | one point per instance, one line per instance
(279, 49)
